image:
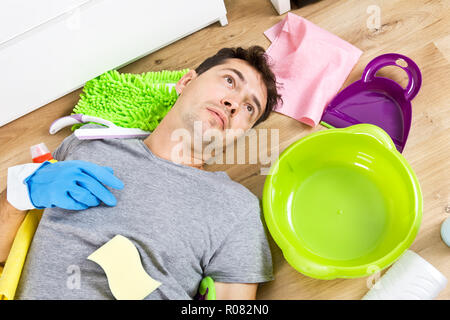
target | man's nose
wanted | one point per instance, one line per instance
(231, 105)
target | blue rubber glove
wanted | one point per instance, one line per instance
(72, 185)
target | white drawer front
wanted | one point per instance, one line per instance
(58, 57)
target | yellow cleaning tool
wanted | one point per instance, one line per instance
(122, 264)
(10, 276)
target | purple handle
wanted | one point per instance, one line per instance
(390, 59)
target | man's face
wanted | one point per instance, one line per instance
(228, 96)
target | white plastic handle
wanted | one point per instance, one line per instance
(62, 123)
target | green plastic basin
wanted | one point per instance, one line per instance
(342, 203)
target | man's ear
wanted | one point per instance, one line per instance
(185, 80)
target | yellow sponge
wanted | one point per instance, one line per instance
(121, 262)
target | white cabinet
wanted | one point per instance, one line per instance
(49, 48)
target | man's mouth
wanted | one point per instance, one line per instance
(219, 116)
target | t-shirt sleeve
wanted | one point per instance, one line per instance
(244, 256)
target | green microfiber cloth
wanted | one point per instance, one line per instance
(129, 100)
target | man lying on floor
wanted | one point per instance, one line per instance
(187, 223)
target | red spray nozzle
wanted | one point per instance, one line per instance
(40, 153)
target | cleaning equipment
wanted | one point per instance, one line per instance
(72, 185)
(445, 231)
(410, 278)
(112, 131)
(130, 100)
(342, 203)
(127, 278)
(40, 153)
(311, 64)
(10, 275)
(17, 192)
(206, 290)
(377, 100)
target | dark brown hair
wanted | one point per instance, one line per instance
(257, 58)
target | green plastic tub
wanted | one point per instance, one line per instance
(342, 203)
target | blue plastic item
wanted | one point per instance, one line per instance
(72, 185)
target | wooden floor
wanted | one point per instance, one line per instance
(418, 29)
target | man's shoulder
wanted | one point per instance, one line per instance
(237, 194)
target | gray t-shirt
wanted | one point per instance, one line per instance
(186, 224)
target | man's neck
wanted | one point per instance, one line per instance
(161, 143)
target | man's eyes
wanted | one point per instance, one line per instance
(250, 108)
(230, 80)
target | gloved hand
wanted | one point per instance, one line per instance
(72, 185)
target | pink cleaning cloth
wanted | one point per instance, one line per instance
(311, 64)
